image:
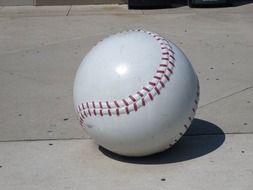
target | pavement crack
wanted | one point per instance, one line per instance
(69, 10)
(224, 97)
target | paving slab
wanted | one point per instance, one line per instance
(27, 11)
(195, 163)
(117, 10)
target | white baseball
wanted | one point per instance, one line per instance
(136, 93)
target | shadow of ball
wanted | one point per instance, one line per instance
(201, 138)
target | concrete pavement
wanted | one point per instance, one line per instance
(42, 145)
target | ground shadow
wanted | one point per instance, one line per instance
(180, 3)
(202, 138)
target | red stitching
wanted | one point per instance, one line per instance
(172, 57)
(135, 107)
(146, 89)
(152, 83)
(172, 63)
(167, 53)
(82, 115)
(127, 110)
(156, 77)
(163, 85)
(167, 77)
(170, 70)
(125, 102)
(109, 112)
(157, 90)
(132, 98)
(116, 104)
(160, 71)
(108, 105)
(143, 101)
(150, 96)
(141, 95)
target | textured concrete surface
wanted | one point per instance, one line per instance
(40, 50)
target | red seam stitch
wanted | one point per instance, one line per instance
(108, 105)
(172, 63)
(160, 71)
(152, 83)
(127, 110)
(168, 52)
(170, 70)
(172, 56)
(135, 107)
(132, 98)
(141, 95)
(157, 90)
(163, 85)
(150, 96)
(146, 89)
(94, 111)
(109, 112)
(101, 112)
(167, 77)
(125, 102)
(82, 116)
(143, 101)
(156, 77)
(85, 114)
(116, 103)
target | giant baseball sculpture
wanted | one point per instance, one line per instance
(136, 93)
